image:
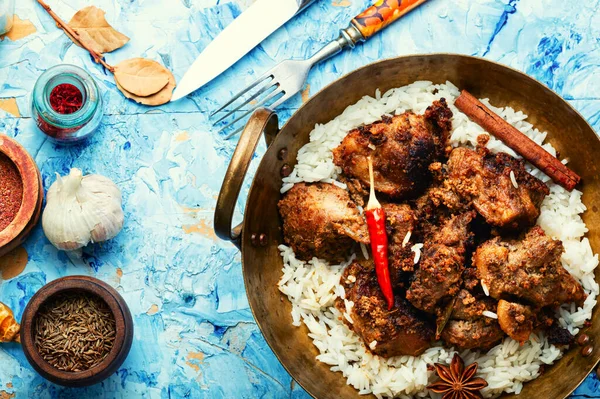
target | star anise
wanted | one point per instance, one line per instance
(457, 382)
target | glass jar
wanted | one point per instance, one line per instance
(7, 14)
(72, 127)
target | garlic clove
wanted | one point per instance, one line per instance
(82, 209)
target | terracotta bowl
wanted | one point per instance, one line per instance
(260, 233)
(33, 194)
(123, 339)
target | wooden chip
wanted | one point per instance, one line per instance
(141, 77)
(162, 97)
(95, 31)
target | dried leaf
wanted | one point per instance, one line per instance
(10, 105)
(141, 77)
(21, 28)
(13, 263)
(93, 29)
(162, 97)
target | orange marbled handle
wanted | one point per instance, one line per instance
(383, 13)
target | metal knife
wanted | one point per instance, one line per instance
(245, 32)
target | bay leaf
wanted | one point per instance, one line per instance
(162, 97)
(141, 76)
(95, 31)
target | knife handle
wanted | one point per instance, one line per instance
(381, 14)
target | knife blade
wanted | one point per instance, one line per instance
(245, 32)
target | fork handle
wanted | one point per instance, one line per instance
(381, 14)
(365, 25)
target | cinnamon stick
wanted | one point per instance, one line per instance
(520, 143)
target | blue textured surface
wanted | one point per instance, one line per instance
(195, 335)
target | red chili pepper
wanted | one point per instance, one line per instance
(379, 242)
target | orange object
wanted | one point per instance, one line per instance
(9, 328)
(383, 13)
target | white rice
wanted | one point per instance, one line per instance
(406, 239)
(513, 180)
(417, 250)
(313, 286)
(485, 288)
(489, 314)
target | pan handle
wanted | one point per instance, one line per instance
(263, 120)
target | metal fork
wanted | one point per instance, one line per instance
(287, 78)
(284, 80)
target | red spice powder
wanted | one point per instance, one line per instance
(65, 98)
(11, 191)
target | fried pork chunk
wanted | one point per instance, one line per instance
(401, 331)
(516, 320)
(485, 181)
(468, 327)
(320, 220)
(528, 268)
(402, 147)
(439, 275)
(400, 223)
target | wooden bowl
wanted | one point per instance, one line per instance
(123, 339)
(33, 194)
(260, 233)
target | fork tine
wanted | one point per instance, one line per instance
(265, 87)
(261, 102)
(230, 135)
(265, 76)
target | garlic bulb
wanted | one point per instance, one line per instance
(82, 209)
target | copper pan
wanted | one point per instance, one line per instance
(260, 233)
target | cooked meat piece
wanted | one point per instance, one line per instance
(471, 279)
(401, 331)
(528, 268)
(402, 147)
(484, 179)
(400, 220)
(320, 220)
(483, 333)
(468, 307)
(439, 195)
(439, 275)
(516, 320)
(428, 217)
(357, 191)
(468, 327)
